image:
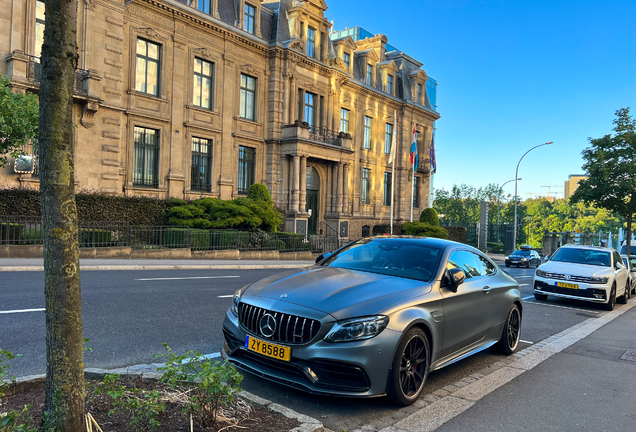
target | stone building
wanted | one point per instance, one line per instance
(195, 98)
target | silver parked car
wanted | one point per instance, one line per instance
(374, 318)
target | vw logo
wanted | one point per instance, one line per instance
(567, 277)
(268, 325)
(283, 296)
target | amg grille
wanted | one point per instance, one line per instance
(572, 278)
(290, 329)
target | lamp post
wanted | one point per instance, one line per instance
(516, 176)
(498, 199)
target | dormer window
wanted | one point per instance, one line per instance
(311, 42)
(249, 18)
(204, 6)
(369, 74)
(346, 58)
(389, 84)
(419, 94)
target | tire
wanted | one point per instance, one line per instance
(511, 333)
(410, 368)
(507, 265)
(541, 297)
(623, 299)
(612, 300)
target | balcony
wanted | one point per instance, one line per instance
(423, 165)
(34, 74)
(304, 131)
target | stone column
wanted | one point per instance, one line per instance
(339, 188)
(293, 105)
(329, 122)
(345, 201)
(303, 183)
(334, 187)
(296, 184)
(285, 98)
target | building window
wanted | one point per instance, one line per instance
(346, 58)
(344, 120)
(311, 42)
(248, 18)
(147, 80)
(248, 97)
(203, 79)
(367, 132)
(419, 94)
(310, 108)
(146, 158)
(39, 27)
(416, 193)
(389, 84)
(366, 186)
(369, 73)
(246, 168)
(388, 137)
(201, 165)
(386, 196)
(366, 231)
(204, 6)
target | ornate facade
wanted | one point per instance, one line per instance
(195, 98)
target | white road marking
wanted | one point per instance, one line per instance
(227, 296)
(22, 310)
(193, 277)
(525, 341)
(563, 307)
(526, 298)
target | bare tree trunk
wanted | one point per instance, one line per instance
(629, 234)
(64, 338)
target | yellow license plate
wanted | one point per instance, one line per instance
(268, 349)
(567, 285)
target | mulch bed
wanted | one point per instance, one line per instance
(237, 416)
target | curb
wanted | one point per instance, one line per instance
(307, 424)
(167, 267)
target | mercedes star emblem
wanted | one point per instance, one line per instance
(268, 325)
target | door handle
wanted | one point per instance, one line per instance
(486, 290)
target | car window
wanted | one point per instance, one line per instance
(466, 261)
(626, 262)
(487, 267)
(617, 258)
(583, 256)
(521, 253)
(393, 257)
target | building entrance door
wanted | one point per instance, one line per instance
(312, 204)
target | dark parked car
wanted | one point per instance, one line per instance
(373, 318)
(523, 258)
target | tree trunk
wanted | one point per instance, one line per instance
(64, 402)
(629, 234)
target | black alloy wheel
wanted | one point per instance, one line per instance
(410, 368)
(623, 299)
(612, 299)
(511, 332)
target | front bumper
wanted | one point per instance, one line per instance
(353, 369)
(588, 292)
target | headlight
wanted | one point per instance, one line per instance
(357, 329)
(541, 273)
(524, 259)
(599, 279)
(236, 300)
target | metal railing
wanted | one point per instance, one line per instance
(23, 230)
(34, 73)
(322, 134)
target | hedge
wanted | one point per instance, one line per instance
(457, 233)
(424, 229)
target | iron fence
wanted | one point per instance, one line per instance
(22, 230)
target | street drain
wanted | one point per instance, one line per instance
(629, 355)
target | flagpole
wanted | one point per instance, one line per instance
(393, 143)
(413, 179)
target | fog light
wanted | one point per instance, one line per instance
(600, 296)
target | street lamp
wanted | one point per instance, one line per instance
(516, 176)
(498, 199)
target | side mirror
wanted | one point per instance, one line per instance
(457, 277)
(323, 256)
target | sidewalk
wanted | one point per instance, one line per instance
(583, 379)
(37, 264)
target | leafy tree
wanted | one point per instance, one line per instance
(64, 390)
(18, 120)
(610, 163)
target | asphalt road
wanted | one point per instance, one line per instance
(129, 314)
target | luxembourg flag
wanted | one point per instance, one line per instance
(414, 150)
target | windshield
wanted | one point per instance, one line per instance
(521, 253)
(583, 256)
(394, 257)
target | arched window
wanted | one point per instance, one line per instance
(366, 231)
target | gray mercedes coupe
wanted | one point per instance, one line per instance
(373, 318)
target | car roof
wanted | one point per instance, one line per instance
(428, 241)
(596, 248)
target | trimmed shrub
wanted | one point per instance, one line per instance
(94, 237)
(259, 192)
(429, 216)
(424, 229)
(382, 229)
(457, 233)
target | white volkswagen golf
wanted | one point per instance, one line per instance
(590, 273)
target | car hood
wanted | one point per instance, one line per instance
(575, 269)
(339, 292)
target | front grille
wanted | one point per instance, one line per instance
(573, 278)
(583, 293)
(290, 329)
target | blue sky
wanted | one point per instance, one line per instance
(512, 75)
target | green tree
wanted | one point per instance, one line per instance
(610, 163)
(64, 390)
(18, 120)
